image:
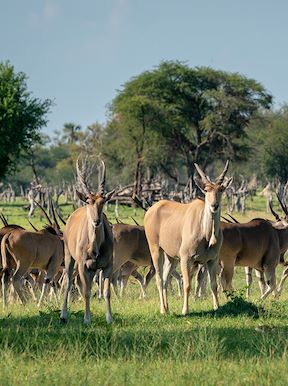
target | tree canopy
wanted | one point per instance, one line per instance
(161, 122)
(271, 147)
(200, 114)
(21, 117)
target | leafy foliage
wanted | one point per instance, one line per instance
(200, 113)
(275, 147)
(161, 122)
(21, 117)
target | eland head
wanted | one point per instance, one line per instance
(213, 190)
(94, 201)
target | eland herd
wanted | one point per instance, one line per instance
(91, 249)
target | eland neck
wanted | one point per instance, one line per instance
(210, 224)
(95, 237)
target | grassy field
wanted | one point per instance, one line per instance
(243, 343)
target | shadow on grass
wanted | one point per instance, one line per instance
(51, 317)
(238, 306)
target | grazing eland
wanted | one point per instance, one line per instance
(281, 226)
(42, 250)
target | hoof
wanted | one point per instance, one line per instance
(62, 321)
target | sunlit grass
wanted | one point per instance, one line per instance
(243, 343)
(242, 338)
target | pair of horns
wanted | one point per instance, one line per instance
(83, 177)
(46, 214)
(206, 180)
(283, 206)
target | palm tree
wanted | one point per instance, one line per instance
(71, 132)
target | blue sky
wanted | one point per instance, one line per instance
(78, 53)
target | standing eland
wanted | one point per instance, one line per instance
(131, 251)
(88, 241)
(190, 232)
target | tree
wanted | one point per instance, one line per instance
(128, 140)
(199, 113)
(71, 132)
(274, 150)
(21, 117)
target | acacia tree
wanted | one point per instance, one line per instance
(21, 117)
(201, 114)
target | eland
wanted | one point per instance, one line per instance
(88, 241)
(190, 232)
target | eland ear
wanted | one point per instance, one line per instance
(109, 195)
(81, 196)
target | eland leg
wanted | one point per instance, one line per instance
(123, 284)
(168, 267)
(248, 276)
(261, 281)
(271, 281)
(185, 263)
(107, 276)
(150, 274)
(48, 279)
(100, 284)
(5, 284)
(201, 281)
(213, 267)
(115, 281)
(283, 278)
(69, 267)
(17, 280)
(226, 276)
(140, 280)
(86, 277)
(179, 282)
(158, 261)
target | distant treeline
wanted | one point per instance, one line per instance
(159, 124)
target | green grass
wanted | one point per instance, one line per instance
(243, 343)
(17, 213)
